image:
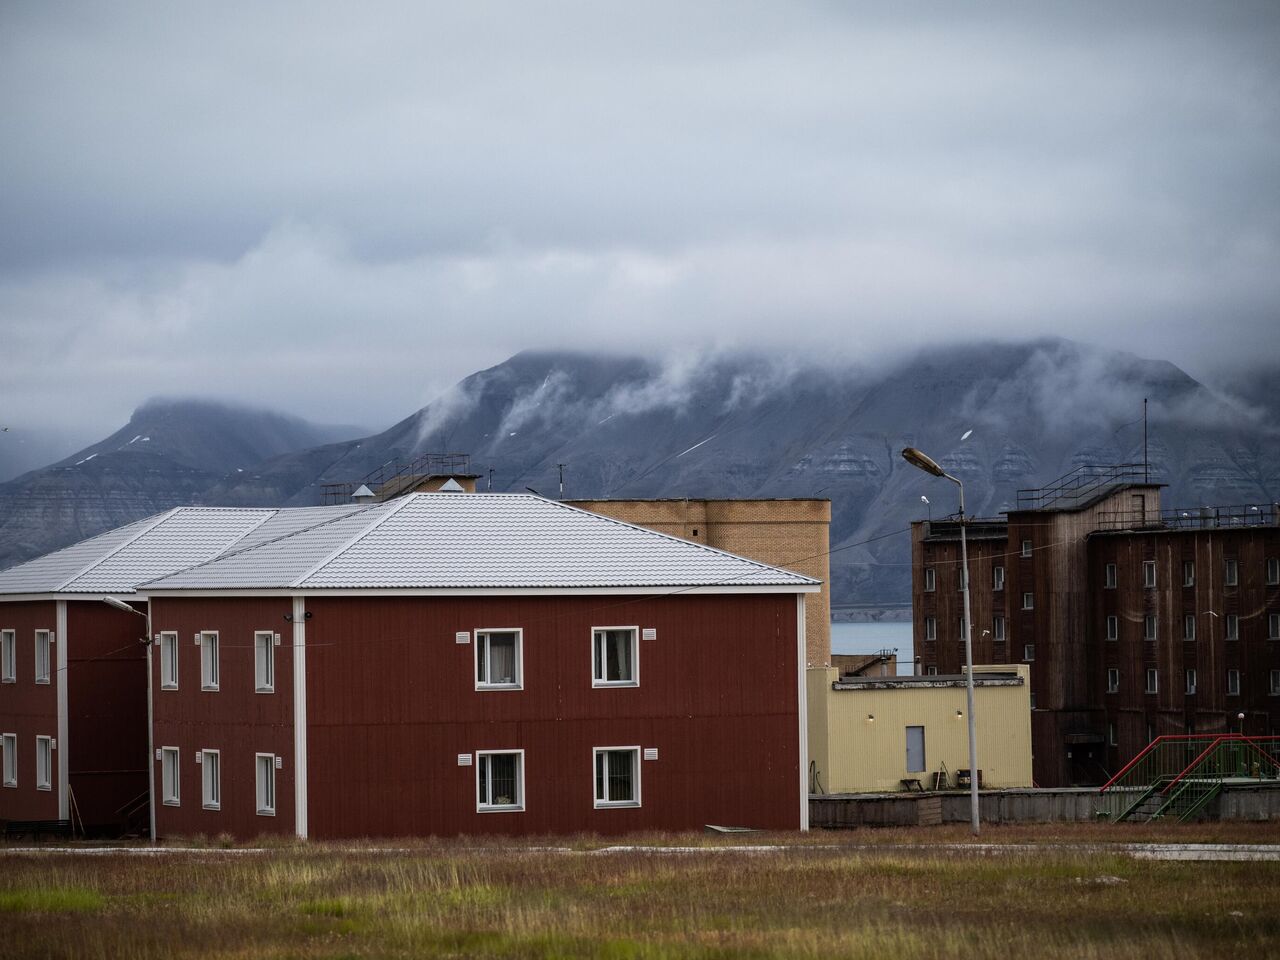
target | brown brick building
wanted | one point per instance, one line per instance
(1135, 621)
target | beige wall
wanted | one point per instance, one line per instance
(851, 754)
(792, 534)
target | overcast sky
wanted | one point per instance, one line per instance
(340, 209)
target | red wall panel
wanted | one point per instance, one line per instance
(29, 709)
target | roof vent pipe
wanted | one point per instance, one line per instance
(451, 486)
(364, 495)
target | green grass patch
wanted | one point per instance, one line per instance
(61, 900)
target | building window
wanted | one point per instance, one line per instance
(614, 656)
(500, 780)
(1233, 683)
(170, 782)
(1273, 571)
(617, 776)
(930, 580)
(1033, 700)
(964, 633)
(1150, 624)
(9, 743)
(1191, 681)
(1233, 626)
(1188, 573)
(1273, 626)
(8, 656)
(168, 661)
(915, 750)
(264, 662)
(211, 779)
(1148, 573)
(997, 629)
(1111, 735)
(960, 580)
(1113, 680)
(997, 578)
(1189, 627)
(1275, 683)
(44, 763)
(1026, 548)
(1028, 652)
(1113, 627)
(499, 659)
(931, 628)
(1153, 680)
(1028, 601)
(930, 671)
(43, 644)
(1109, 576)
(1231, 573)
(208, 661)
(265, 766)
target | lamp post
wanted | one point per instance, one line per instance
(923, 462)
(151, 767)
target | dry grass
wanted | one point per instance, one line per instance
(851, 894)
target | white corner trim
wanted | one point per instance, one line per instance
(802, 688)
(300, 716)
(64, 754)
(350, 541)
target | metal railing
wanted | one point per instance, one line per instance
(397, 475)
(1082, 484)
(1177, 776)
(1193, 518)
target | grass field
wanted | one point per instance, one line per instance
(848, 894)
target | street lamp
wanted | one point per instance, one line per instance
(926, 463)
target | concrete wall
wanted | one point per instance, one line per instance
(792, 534)
(853, 754)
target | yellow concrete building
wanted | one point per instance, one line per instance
(877, 734)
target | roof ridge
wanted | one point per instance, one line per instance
(364, 531)
(667, 536)
(160, 518)
(271, 513)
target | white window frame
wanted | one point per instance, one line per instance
(171, 776)
(1230, 572)
(9, 747)
(1027, 548)
(1188, 573)
(1028, 600)
(1148, 574)
(1113, 679)
(931, 671)
(264, 661)
(1113, 627)
(999, 629)
(1273, 571)
(931, 628)
(169, 660)
(44, 656)
(1153, 680)
(1110, 576)
(211, 779)
(997, 578)
(1111, 735)
(8, 656)
(1191, 681)
(930, 580)
(1233, 683)
(210, 667)
(44, 763)
(1188, 626)
(483, 766)
(599, 660)
(1231, 629)
(1273, 626)
(1029, 652)
(264, 788)
(605, 803)
(482, 642)
(1150, 627)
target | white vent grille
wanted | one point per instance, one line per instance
(275, 639)
(649, 633)
(279, 763)
(197, 639)
(199, 757)
(464, 759)
(462, 636)
(651, 753)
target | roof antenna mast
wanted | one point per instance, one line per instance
(561, 466)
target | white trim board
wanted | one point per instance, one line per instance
(667, 590)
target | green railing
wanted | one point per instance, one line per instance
(1179, 776)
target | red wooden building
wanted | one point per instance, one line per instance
(73, 682)
(478, 663)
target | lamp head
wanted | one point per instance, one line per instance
(121, 605)
(922, 461)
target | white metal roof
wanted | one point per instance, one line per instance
(447, 541)
(117, 561)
